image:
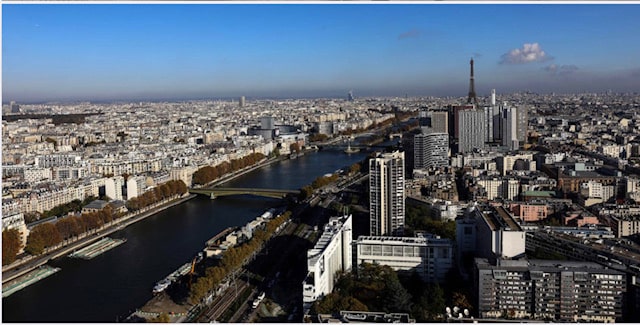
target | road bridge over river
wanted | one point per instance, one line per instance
(227, 191)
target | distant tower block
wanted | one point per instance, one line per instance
(350, 96)
(493, 97)
(242, 101)
(15, 108)
(267, 123)
(472, 89)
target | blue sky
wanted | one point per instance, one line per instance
(161, 51)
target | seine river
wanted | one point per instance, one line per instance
(114, 284)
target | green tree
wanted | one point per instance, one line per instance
(327, 304)
(436, 302)
(396, 297)
(11, 245)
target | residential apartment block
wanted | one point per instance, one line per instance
(549, 290)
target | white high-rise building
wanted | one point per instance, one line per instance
(386, 199)
(113, 187)
(523, 124)
(472, 130)
(431, 150)
(136, 186)
(488, 112)
(331, 254)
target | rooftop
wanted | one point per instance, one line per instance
(499, 218)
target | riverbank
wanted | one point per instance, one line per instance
(29, 263)
(25, 265)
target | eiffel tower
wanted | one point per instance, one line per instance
(472, 89)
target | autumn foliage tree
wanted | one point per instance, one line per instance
(11, 245)
(42, 236)
(233, 258)
(295, 147)
(207, 174)
(161, 192)
(50, 234)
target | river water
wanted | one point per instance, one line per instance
(113, 284)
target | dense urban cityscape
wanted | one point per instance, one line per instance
(495, 206)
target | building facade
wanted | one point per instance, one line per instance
(548, 290)
(428, 255)
(431, 150)
(472, 130)
(498, 234)
(510, 128)
(386, 199)
(331, 254)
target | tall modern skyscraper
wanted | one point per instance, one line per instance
(386, 197)
(510, 128)
(522, 124)
(431, 150)
(473, 126)
(241, 101)
(472, 99)
(454, 119)
(350, 96)
(497, 122)
(488, 112)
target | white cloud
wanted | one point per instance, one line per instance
(530, 52)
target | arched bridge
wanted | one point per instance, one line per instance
(226, 191)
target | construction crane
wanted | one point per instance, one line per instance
(192, 270)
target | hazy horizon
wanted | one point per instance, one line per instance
(116, 52)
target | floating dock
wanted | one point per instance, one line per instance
(175, 275)
(217, 239)
(28, 279)
(97, 248)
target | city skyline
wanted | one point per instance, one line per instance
(157, 51)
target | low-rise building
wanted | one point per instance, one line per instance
(530, 212)
(428, 255)
(624, 220)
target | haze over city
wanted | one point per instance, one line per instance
(156, 51)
